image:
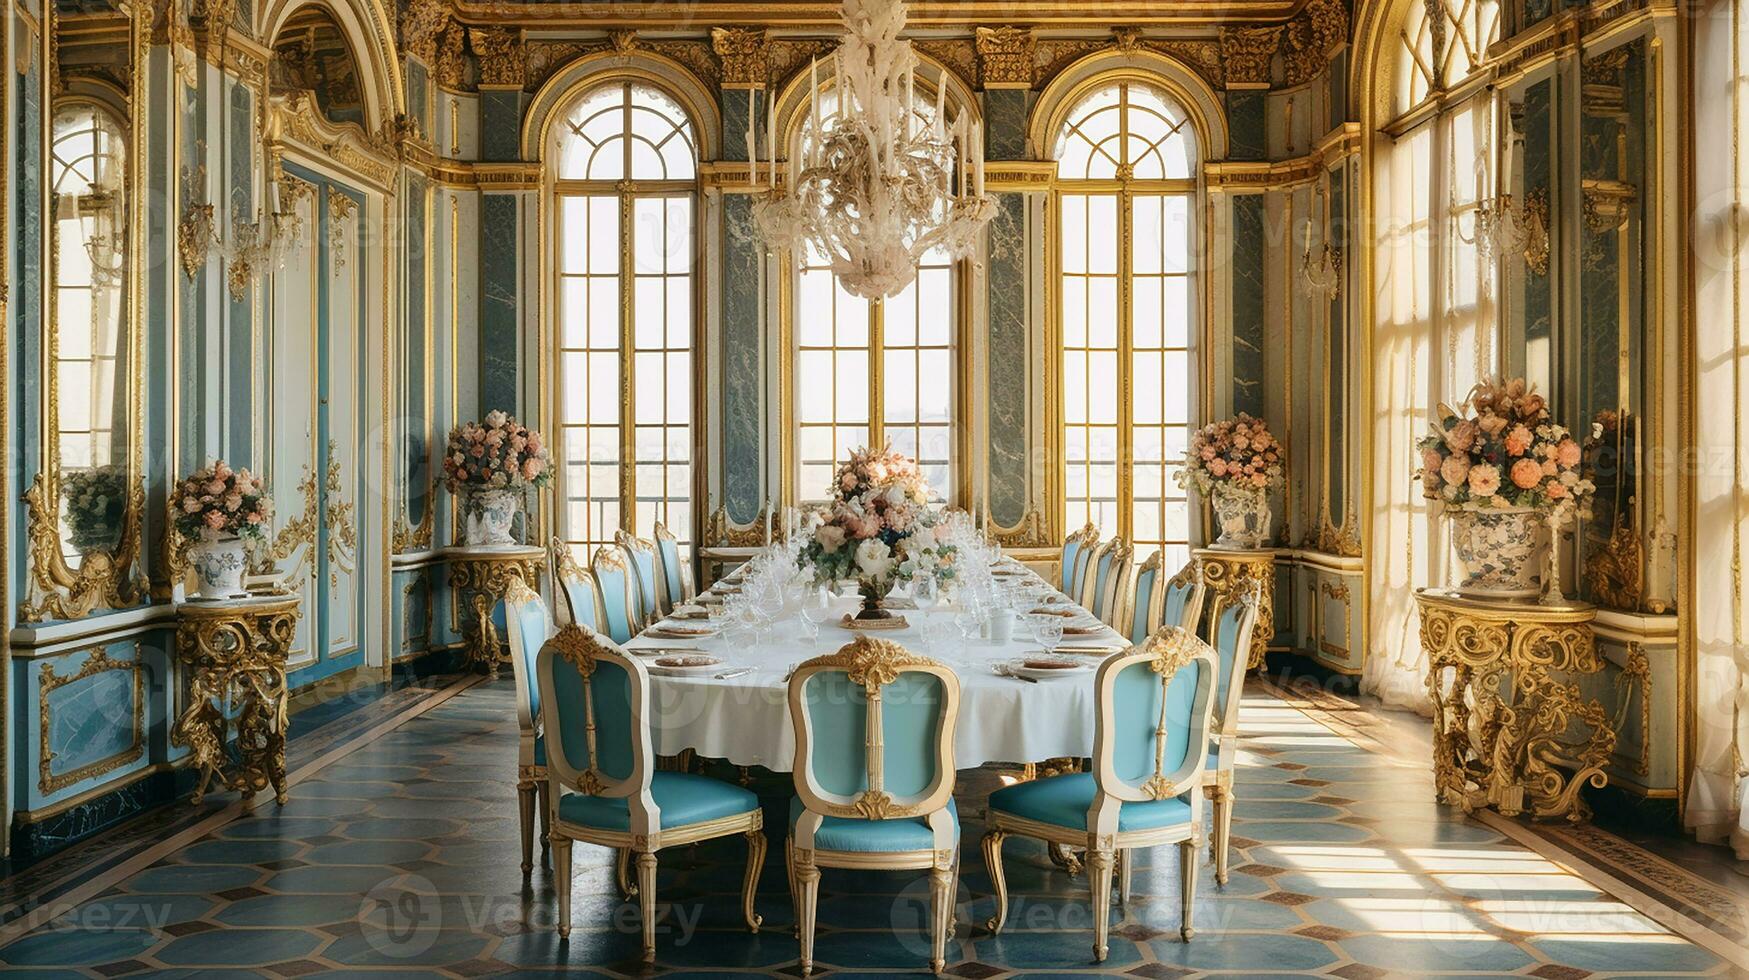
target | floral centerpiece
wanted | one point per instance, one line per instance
(1504, 474)
(96, 500)
(489, 466)
(878, 527)
(216, 508)
(1234, 463)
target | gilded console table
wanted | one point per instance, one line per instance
(1229, 574)
(235, 651)
(481, 577)
(1500, 677)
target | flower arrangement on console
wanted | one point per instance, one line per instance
(878, 527)
(1234, 463)
(1502, 470)
(489, 465)
(216, 508)
(96, 499)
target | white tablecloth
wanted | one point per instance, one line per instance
(745, 719)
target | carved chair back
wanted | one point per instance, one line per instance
(620, 613)
(1152, 713)
(582, 604)
(596, 704)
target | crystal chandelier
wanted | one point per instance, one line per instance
(1501, 227)
(875, 184)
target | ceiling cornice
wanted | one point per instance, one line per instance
(701, 15)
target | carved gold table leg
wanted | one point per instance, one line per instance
(481, 578)
(235, 653)
(1503, 714)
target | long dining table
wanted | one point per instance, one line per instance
(738, 709)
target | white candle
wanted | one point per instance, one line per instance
(978, 156)
(910, 91)
(771, 140)
(939, 121)
(814, 94)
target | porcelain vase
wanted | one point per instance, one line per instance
(489, 514)
(1504, 552)
(218, 563)
(1243, 519)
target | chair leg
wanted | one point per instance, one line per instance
(1099, 876)
(1125, 865)
(941, 910)
(993, 863)
(647, 901)
(1187, 852)
(542, 791)
(628, 889)
(795, 902)
(808, 883)
(1223, 835)
(750, 885)
(525, 803)
(562, 872)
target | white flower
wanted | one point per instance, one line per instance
(874, 559)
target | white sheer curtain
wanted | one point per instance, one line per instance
(1433, 338)
(1718, 799)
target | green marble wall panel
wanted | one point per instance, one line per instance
(1249, 253)
(736, 118)
(1338, 78)
(1005, 124)
(191, 302)
(1538, 296)
(417, 359)
(1247, 131)
(419, 96)
(743, 379)
(1010, 363)
(1336, 393)
(500, 124)
(25, 272)
(499, 327)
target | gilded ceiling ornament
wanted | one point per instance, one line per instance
(1249, 53)
(1305, 47)
(422, 23)
(452, 59)
(742, 54)
(1202, 55)
(956, 54)
(623, 40)
(502, 58)
(547, 57)
(1005, 56)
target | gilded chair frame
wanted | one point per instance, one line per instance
(1069, 566)
(1109, 600)
(531, 776)
(683, 570)
(1153, 605)
(1087, 591)
(650, 608)
(566, 570)
(614, 559)
(1219, 781)
(585, 649)
(1190, 575)
(1166, 652)
(874, 664)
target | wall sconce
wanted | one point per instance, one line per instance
(1323, 275)
(1608, 204)
(266, 242)
(195, 232)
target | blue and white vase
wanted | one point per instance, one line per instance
(219, 563)
(1504, 551)
(487, 516)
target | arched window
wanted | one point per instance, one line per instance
(1126, 163)
(626, 157)
(872, 372)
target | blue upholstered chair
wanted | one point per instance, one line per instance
(527, 626)
(1183, 598)
(874, 776)
(1230, 627)
(1075, 550)
(675, 573)
(1108, 582)
(621, 617)
(1150, 739)
(603, 785)
(641, 556)
(1142, 617)
(582, 604)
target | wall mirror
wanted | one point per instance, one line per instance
(86, 500)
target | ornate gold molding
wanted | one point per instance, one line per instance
(502, 56)
(422, 23)
(1031, 532)
(1202, 55)
(719, 532)
(295, 120)
(1616, 572)
(97, 661)
(1006, 57)
(1232, 575)
(234, 654)
(102, 581)
(741, 52)
(1249, 55)
(1306, 44)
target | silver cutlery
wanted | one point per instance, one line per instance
(737, 672)
(1004, 671)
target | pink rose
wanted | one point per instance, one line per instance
(1430, 461)
(1567, 453)
(1526, 474)
(190, 505)
(1218, 467)
(1460, 437)
(1557, 490)
(1484, 480)
(215, 519)
(1518, 440)
(1455, 469)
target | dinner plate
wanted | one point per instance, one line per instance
(1044, 668)
(649, 653)
(690, 612)
(684, 665)
(1084, 629)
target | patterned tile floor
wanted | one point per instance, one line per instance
(402, 856)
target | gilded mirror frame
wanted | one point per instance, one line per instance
(104, 579)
